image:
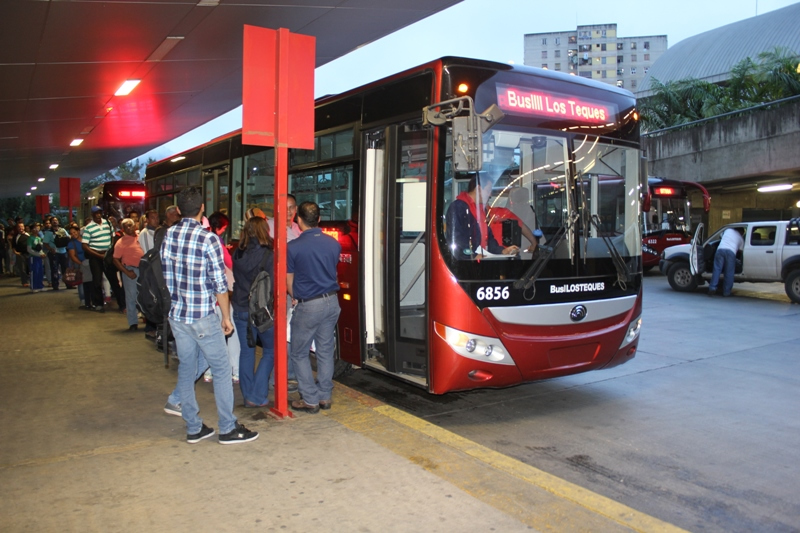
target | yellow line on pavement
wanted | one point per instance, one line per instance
(594, 502)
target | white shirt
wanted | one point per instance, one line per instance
(146, 239)
(731, 240)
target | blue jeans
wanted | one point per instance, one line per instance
(724, 263)
(203, 338)
(131, 291)
(254, 383)
(37, 273)
(315, 321)
(58, 265)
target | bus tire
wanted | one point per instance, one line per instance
(680, 277)
(792, 285)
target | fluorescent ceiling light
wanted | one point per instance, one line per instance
(773, 188)
(179, 158)
(76, 142)
(27, 194)
(54, 166)
(41, 179)
(127, 87)
(33, 188)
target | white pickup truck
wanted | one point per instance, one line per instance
(771, 253)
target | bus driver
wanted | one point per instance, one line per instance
(467, 231)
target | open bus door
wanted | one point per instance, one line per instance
(396, 252)
(696, 259)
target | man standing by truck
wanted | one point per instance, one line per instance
(725, 260)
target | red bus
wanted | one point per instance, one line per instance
(667, 216)
(117, 198)
(390, 159)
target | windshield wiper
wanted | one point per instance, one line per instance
(623, 274)
(545, 253)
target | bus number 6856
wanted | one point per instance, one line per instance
(492, 293)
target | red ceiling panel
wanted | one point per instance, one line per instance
(61, 61)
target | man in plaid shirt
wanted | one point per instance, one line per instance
(191, 258)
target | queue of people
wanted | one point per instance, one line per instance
(209, 289)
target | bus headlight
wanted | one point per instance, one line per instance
(475, 347)
(633, 332)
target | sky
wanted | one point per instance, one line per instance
(495, 30)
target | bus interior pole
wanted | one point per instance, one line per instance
(281, 407)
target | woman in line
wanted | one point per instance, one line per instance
(218, 223)
(127, 254)
(253, 255)
(79, 260)
(37, 255)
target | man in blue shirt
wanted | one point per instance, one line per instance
(311, 261)
(194, 272)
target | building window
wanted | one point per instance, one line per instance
(558, 53)
(647, 57)
(603, 60)
(619, 46)
(633, 84)
(647, 45)
(633, 58)
(572, 39)
(585, 48)
(620, 71)
(633, 70)
(586, 74)
(544, 54)
(619, 59)
(603, 47)
(544, 65)
(646, 70)
(603, 33)
(544, 41)
(604, 74)
(558, 66)
(558, 41)
(633, 45)
(620, 83)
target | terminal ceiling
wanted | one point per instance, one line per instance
(61, 62)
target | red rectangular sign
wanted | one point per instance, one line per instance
(42, 204)
(526, 101)
(260, 93)
(70, 192)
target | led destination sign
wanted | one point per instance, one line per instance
(524, 101)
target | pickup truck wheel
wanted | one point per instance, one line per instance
(680, 277)
(793, 286)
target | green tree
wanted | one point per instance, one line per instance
(131, 171)
(776, 75)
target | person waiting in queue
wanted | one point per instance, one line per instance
(467, 231)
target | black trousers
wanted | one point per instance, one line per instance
(99, 269)
(57, 261)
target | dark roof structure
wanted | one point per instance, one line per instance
(61, 63)
(710, 56)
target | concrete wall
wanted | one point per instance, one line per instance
(755, 145)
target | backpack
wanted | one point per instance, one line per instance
(153, 299)
(21, 244)
(262, 315)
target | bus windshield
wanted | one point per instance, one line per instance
(543, 185)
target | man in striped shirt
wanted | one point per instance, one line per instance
(96, 239)
(194, 272)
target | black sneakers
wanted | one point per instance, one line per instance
(238, 435)
(204, 433)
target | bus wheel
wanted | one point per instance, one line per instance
(793, 286)
(681, 278)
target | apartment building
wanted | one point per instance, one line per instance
(595, 51)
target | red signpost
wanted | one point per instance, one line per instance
(42, 204)
(70, 193)
(278, 110)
